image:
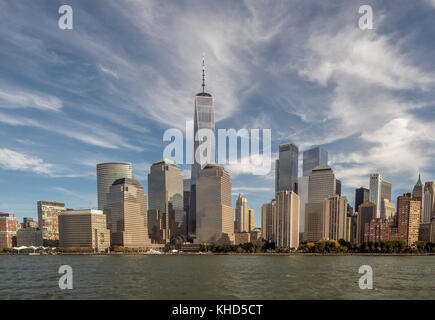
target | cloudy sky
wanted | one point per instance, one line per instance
(108, 89)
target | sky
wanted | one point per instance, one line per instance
(109, 88)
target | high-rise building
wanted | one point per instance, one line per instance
(48, 217)
(361, 195)
(303, 197)
(126, 211)
(84, 228)
(29, 223)
(389, 208)
(8, 230)
(165, 183)
(251, 220)
(242, 215)
(429, 202)
(107, 173)
(366, 212)
(313, 158)
(267, 210)
(288, 167)
(354, 229)
(408, 218)
(214, 214)
(418, 194)
(321, 185)
(338, 187)
(286, 222)
(276, 175)
(379, 190)
(186, 197)
(337, 223)
(203, 119)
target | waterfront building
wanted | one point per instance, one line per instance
(84, 229)
(203, 119)
(337, 223)
(424, 232)
(8, 230)
(286, 221)
(288, 167)
(312, 158)
(380, 189)
(266, 220)
(408, 218)
(251, 220)
(366, 213)
(242, 237)
(242, 215)
(354, 229)
(29, 237)
(378, 229)
(48, 217)
(256, 234)
(107, 173)
(303, 197)
(322, 184)
(361, 195)
(165, 194)
(429, 202)
(214, 214)
(126, 211)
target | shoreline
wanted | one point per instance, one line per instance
(227, 254)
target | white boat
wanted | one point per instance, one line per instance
(34, 254)
(152, 251)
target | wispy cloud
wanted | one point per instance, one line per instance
(13, 160)
(16, 98)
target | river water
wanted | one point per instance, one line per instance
(217, 277)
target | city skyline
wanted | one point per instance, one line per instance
(55, 126)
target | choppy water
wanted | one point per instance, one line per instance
(217, 277)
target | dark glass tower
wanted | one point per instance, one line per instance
(313, 158)
(203, 119)
(287, 167)
(361, 196)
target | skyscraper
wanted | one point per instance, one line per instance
(165, 183)
(366, 212)
(215, 216)
(126, 211)
(251, 219)
(48, 217)
(338, 187)
(322, 185)
(429, 202)
(313, 158)
(242, 215)
(303, 197)
(418, 194)
(286, 222)
(379, 190)
(288, 167)
(107, 173)
(337, 223)
(408, 218)
(361, 195)
(266, 220)
(203, 119)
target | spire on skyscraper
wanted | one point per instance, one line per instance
(419, 184)
(203, 73)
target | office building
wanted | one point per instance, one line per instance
(361, 195)
(389, 208)
(408, 218)
(337, 223)
(251, 219)
(313, 158)
(286, 222)
(8, 230)
(126, 211)
(48, 217)
(418, 194)
(29, 237)
(165, 184)
(366, 213)
(203, 119)
(429, 202)
(267, 210)
(214, 215)
(242, 237)
(107, 173)
(379, 190)
(29, 223)
(322, 184)
(338, 187)
(288, 167)
(186, 198)
(84, 229)
(303, 197)
(242, 215)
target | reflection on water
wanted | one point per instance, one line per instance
(217, 277)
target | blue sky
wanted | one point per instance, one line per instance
(129, 70)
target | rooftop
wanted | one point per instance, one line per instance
(127, 181)
(319, 168)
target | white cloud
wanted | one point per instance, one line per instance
(15, 98)
(12, 160)
(108, 71)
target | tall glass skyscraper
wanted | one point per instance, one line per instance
(203, 119)
(313, 158)
(287, 167)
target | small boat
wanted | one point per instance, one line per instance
(34, 254)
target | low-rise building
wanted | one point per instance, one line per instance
(8, 230)
(29, 237)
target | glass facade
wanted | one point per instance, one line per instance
(288, 167)
(313, 158)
